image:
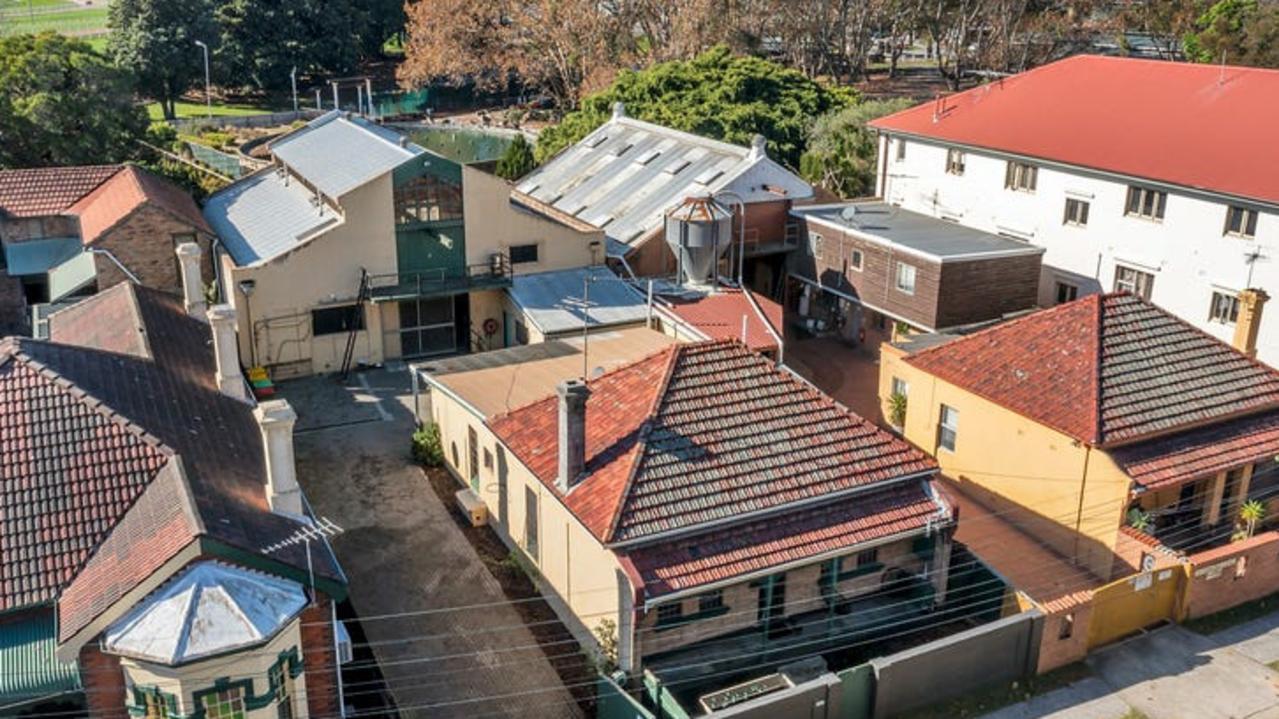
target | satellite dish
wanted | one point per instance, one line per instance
(849, 213)
(597, 372)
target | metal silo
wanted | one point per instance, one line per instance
(699, 231)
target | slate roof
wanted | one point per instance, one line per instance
(125, 192)
(718, 316)
(1105, 370)
(337, 153)
(1196, 125)
(265, 215)
(129, 430)
(757, 546)
(1198, 453)
(43, 191)
(626, 174)
(704, 433)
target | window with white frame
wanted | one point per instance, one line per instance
(905, 278)
(1224, 307)
(855, 260)
(1146, 203)
(1076, 212)
(814, 244)
(1021, 176)
(1241, 221)
(955, 161)
(1133, 281)
(947, 428)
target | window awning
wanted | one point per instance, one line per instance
(28, 669)
(36, 257)
(71, 275)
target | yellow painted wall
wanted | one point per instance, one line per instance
(1064, 494)
(493, 224)
(255, 663)
(322, 271)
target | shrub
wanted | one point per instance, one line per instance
(426, 445)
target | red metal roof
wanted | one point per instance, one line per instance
(719, 317)
(42, 191)
(125, 192)
(702, 433)
(1105, 369)
(1199, 126)
(757, 546)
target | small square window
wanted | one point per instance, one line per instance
(948, 428)
(901, 150)
(867, 557)
(1146, 203)
(1241, 222)
(669, 613)
(905, 278)
(955, 161)
(710, 601)
(814, 244)
(1066, 292)
(523, 254)
(1076, 212)
(855, 260)
(1224, 308)
(1067, 627)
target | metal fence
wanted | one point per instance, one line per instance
(191, 125)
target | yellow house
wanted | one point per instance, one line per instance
(1097, 420)
(692, 501)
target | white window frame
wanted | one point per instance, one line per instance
(1078, 218)
(1139, 197)
(1246, 226)
(815, 244)
(1141, 284)
(856, 259)
(898, 277)
(1021, 176)
(955, 161)
(947, 422)
(1223, 307)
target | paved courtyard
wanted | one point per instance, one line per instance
(1172, 673)
(848, 374)
(410, 568)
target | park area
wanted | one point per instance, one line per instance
(82, 18)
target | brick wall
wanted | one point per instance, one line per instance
(1065, 638)
(319, 659)
(105, 692)
(143, 242)
(1226, 576)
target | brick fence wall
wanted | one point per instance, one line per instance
(105, 693)
(1229, 575)
(319, 660)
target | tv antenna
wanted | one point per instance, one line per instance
(322, 528)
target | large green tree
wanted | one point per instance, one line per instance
(62, 103)
(1242, 32)
(842, 150)
(716, 94)
(262, 40)
(155, 39)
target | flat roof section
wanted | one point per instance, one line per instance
(554, 301)
(503, 380)
(916, 233)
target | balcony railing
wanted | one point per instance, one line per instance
(494, 274)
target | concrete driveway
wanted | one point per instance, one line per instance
(447, 641)
(1173, 673)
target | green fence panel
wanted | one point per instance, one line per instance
(392, 104)
(216, 160)
(668, 707)
(856, 692)
(613, 703)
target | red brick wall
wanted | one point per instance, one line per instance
(103, 680)
(143, 242)
(1056, 650)
(319, 659)
(1238, 572)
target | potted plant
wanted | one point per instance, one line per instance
(897, 410)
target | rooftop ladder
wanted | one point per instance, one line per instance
(361, 298)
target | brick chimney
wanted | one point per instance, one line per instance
(1251, 302)
(572, 437)
(192, 284)
(226, 352)
(276, 418)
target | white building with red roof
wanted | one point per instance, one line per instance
(1152, 177)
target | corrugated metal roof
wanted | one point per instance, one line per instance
(914, 232)
(28, 668)
(265, 215)
(337, 153)
(553, 300)
(623, 176)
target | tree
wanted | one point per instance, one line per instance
(262, 40)
(517, 160)
(842, 150)
(155, 40)
(716, 94)
(1242, 32)
(64, 104)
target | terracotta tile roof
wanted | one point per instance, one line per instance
(719, 317)
(703, 433)
(42, 191)
(1198, 453)
(153, 377)
(125, 192)
(1105, 369)
(1122, 115)
(760, 545)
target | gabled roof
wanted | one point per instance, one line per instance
(337, 153)
(719, 315)
(124, 453)
(126, 191)
(701, 434)
(626, 174)
(1105, 369)
(1198, 126)
(43, 191)
(266, 215)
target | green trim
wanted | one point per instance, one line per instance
(336, 590)
(684, 619)
(138, 705)
(252, 701)
(830, 570)
(924, 547)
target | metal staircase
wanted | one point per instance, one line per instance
(361, 297)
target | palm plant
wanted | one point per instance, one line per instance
(897, 409)
(1251, 513)
(1140, 519)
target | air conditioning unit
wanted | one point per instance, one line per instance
(473, 507)
(346, 653)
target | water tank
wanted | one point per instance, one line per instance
(699, 231)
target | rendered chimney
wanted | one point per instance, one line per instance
(572, 437)
(276, 419)
(619, 110)
(1251, 302)
(192, 284)
(226, 352)
(759, 147)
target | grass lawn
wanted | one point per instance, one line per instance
(1235, 615)
(196, 109)
(992, 698)
(37, 5)
(70, 22)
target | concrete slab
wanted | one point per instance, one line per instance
(410, 569)
(1258, 639)
(1087, 699)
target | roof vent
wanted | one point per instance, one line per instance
(759, 147)
(619, 110)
